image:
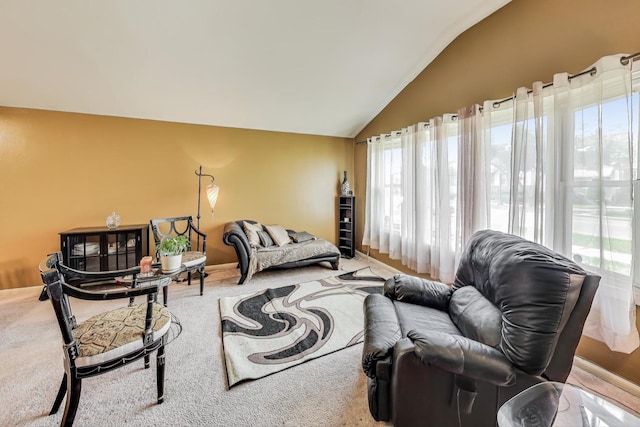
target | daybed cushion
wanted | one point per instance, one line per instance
(265, 239)
(273, 256)
(252, 230)
(278, 234)
(301, 236)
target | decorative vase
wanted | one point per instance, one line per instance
(346, 188)
(113, 221)
(171, 263)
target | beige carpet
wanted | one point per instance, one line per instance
(328, 391)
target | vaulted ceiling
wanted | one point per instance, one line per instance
(316, 67)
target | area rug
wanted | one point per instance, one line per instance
(278, 328)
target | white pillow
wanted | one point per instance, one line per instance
(251, 230)
(278, 234)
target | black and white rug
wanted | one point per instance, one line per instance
(278, 328)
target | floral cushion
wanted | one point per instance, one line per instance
(115, 333)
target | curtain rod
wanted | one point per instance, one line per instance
(623, 60)
(592, 71)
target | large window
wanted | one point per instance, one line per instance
(602, 150)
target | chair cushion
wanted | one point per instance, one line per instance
(193, 258)
(421, 318)
(535, 289)
(115, 333)
(476, 316)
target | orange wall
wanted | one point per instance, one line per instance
(526, 41)
(63, 170)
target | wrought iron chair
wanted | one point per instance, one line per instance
(108, 340)
(195, 258)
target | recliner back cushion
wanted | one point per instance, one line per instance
(534, 288)
(476, 316)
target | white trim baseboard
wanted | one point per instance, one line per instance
(378, 263)
(607, 376)
(228, 265)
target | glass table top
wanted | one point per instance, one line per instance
(557, 404)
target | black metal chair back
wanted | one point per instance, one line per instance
(178, 226)
(183, 225)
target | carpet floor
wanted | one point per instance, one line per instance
(328, 391)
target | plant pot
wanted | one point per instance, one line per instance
(171, 263)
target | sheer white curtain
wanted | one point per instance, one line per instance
(378, 171)
(473, 165)
(443, 172)
(528, 145)
(411, 196)
(599, 147)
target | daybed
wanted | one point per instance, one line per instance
(257, 249)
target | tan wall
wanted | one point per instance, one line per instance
(526, 41)
(61, 170)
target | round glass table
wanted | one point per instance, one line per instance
(556, 404)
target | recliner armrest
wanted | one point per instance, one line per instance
(381, 331)
(415, 290)
(461, 355)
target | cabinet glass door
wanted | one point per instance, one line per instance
(83, 252)
(121, 250)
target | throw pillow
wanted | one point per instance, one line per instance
(302, 236)
(278, 234)
(251, 230)
(265, 239)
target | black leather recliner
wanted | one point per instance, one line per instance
(439, 355)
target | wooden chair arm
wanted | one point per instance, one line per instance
(203, 235)
(109, 294)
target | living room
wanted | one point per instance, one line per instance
(67, 169)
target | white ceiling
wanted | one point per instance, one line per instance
(324, 67)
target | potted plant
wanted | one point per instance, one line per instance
(170, 252)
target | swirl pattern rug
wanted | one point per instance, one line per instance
(278, 328)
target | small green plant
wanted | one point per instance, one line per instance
(173, 245)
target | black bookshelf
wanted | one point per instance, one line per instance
(346, 226)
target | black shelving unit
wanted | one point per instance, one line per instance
(347, 226)
(104, 249)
